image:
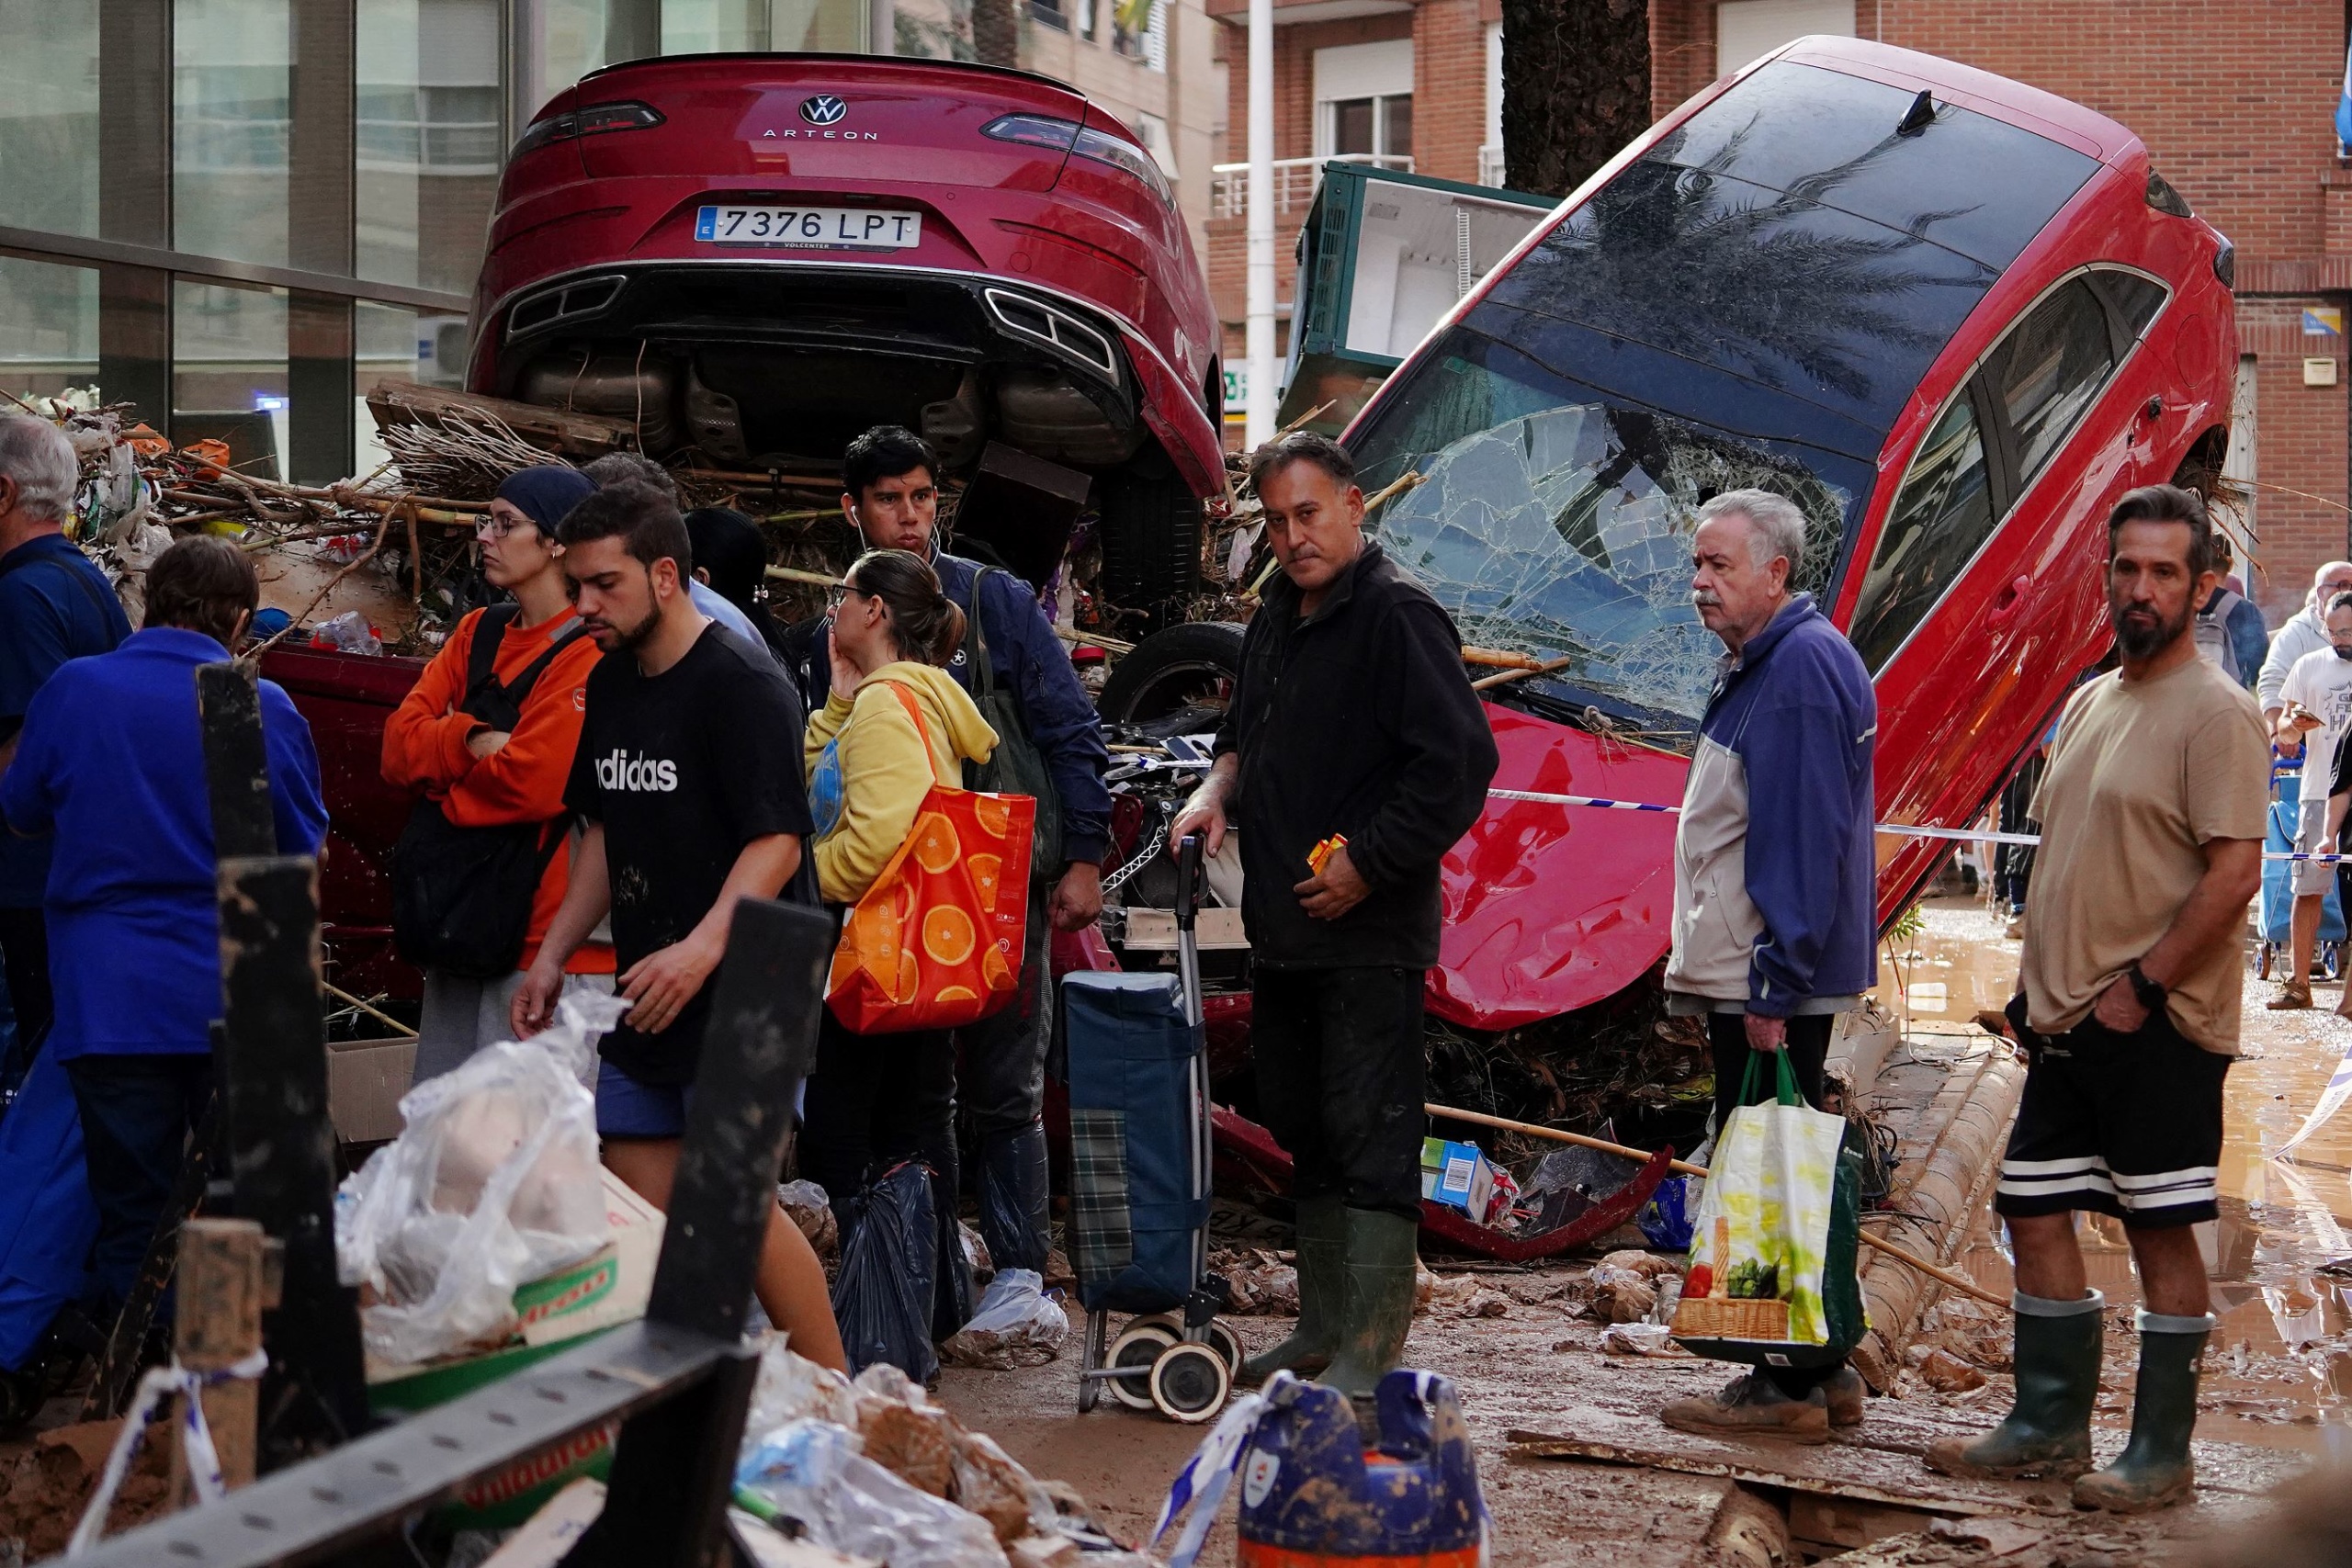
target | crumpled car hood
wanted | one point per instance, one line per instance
(1548, 909)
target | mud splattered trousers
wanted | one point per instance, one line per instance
(1340, 1080)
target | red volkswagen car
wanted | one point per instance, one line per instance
(757, 256)
(1952, 317)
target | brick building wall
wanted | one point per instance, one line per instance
(2235, 106)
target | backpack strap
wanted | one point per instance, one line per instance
(520, 687)
(482, 657)
(976, 641)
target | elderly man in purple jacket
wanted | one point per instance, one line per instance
(1775, 881)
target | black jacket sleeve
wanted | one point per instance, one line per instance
(1424, 705)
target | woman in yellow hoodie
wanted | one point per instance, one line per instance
(876, 1100)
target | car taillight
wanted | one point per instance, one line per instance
(1068, 136)
(587, 121)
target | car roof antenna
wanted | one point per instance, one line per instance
(1919, 116)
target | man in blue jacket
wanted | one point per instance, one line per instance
(890, 493)
(54, 606)
(110, 770)
(1775, 878)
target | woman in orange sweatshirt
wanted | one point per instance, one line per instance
(484, 777)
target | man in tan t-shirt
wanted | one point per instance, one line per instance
(2151, 817)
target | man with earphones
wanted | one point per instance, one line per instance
(890, 493)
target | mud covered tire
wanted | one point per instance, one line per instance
(1139, 1344)
(1151, 539)
(1171, 669)
(1190, 1382)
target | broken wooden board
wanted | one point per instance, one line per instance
(564, 431)
(1912, 1489)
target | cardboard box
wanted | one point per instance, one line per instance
(365, 1081)
(1457, 1176)
(558, 1313)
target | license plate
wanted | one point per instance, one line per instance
(826, 228)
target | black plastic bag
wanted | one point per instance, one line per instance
(886, 1297)
(951, 1306)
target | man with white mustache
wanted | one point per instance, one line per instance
(1775, 882)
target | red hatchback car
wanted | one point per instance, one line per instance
(757, 256)
(1954, 318)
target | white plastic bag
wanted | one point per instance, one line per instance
(492, 1183)
(791, 1386)
(809, 1471)
(1017, 1326)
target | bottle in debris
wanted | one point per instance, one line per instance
(349, 633)
(1312, 1492)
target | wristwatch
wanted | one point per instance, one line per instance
(2152, 994)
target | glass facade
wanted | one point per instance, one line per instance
(242, 215)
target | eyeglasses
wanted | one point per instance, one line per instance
(836, 594)
(490, 525)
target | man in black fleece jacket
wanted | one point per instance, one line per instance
(1352, 717)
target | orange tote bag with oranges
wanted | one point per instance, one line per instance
(937, 941)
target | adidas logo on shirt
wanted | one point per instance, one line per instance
(638, 774)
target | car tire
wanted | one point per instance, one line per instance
(1183, 666)
(1151, 540)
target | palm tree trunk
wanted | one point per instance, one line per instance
(1576, 89)
(996, 32)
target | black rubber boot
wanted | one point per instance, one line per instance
(2048, 1433)
(2154, 1469)
(1013, 1192)
(1377, 1306)
(1322, 1245)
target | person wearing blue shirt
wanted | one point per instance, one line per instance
(54, 606)
(109, 769)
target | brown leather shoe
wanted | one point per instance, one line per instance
(2295, 997)
(1752, 1406)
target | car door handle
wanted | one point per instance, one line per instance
(2004, 608)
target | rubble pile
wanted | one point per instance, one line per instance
(1580, 1069)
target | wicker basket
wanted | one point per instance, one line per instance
(1729, 1318)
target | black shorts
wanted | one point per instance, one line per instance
(2126, 1124)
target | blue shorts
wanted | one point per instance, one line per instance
(630, 1108)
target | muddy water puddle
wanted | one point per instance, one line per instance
(2280, 1371)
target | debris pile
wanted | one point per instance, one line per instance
(874, 1469)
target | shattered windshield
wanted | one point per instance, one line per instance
(1554, 520)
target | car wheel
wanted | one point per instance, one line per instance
(1151, 539)
(1190, 666)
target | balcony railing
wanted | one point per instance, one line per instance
(1294, 180)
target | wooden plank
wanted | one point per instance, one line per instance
(1544, 1445)
(217, 1324)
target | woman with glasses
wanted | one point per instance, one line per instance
(876, 1101)
(485, 739)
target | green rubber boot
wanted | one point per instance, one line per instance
(1378, 1310)
(1322, 1245)
(2048, 1433)
(2155, 1468)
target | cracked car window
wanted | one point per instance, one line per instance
(1560, 524)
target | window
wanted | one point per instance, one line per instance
(232, 119)
(1382, 126)
(2136, 299)
(49, 116)
(428, 142)
(1363, 100)
(49, 327)
(229, 373)
(2050, 369)
(1940, 517)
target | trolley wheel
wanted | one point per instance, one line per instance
(1189, 1383)
(1139, 1345)
(1090, 1389)
(1172, 1321)
(1227, 1344)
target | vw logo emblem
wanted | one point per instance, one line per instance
(823, 109)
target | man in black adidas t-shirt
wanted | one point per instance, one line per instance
(688, 783)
